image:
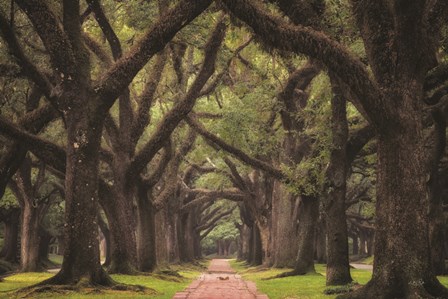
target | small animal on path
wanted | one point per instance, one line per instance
(223, 278)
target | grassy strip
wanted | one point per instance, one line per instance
(311, 286)
(165, 285)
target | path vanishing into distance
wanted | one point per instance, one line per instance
(220, 282)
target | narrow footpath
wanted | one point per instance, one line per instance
(220, 282)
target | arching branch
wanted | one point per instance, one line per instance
(123, 72)
(50, 31)
(357, 141)
(180, 110)
(214, 220)
(45, 150)
(27, 67)
(277, 33)
(204, 195)
(107, 29)
(146, 99)
(157, 174)
(239, 154)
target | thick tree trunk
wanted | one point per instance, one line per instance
(197, 245)
(363, 244)
(437, 226)
(370, 245)
(30, 239)
(162, 237)
(284, 215)
(308, 216)
(146, 234)
(106, 233)
(243, 243)
(44, 245)
(10, 250)
(172, 224)
(220, 248)
(402, 253)
(256, 247)
(321, 242)
(123, 226)
(355, 249)
(81, 255)
(122, 259)
(338, 268)
(265, 238)
(187, 244)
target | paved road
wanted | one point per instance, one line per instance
(220, 282)
(362, 266)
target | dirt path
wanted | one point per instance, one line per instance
(220, 282)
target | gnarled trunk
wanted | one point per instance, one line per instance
(44, 245)
(265, 238)
(81, 255)
(284, 221)
(30, 238)
(146, 234)
(308, 216)
(321, 242)
(10, 247)
(256, 250)
(338, 268)
(437, 226)
(187, 242)
(402, 253)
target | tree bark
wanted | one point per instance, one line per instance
(107, 239)
(402, 253)
(321, 242)
(187, 245)
(437, 224)
(146, 234)
(45, 239)
(256, 247)
(284, 213)
(10, 247)
(338, 268)
(30, 239)
(81, 255)
(308, 216)
(355, 250)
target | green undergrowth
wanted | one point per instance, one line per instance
(310, 286)
(166, 282)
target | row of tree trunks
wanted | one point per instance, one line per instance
(223, 247)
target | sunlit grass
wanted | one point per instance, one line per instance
(309, 286)
(165, 287)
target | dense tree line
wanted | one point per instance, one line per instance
(318, 121)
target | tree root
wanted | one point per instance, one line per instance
(418, 290)
(32, 291)
(61, 284)
(290, 273)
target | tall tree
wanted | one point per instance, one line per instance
(84, 105)
(401, 41)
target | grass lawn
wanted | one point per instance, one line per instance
(164, 286)
(309, 286)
